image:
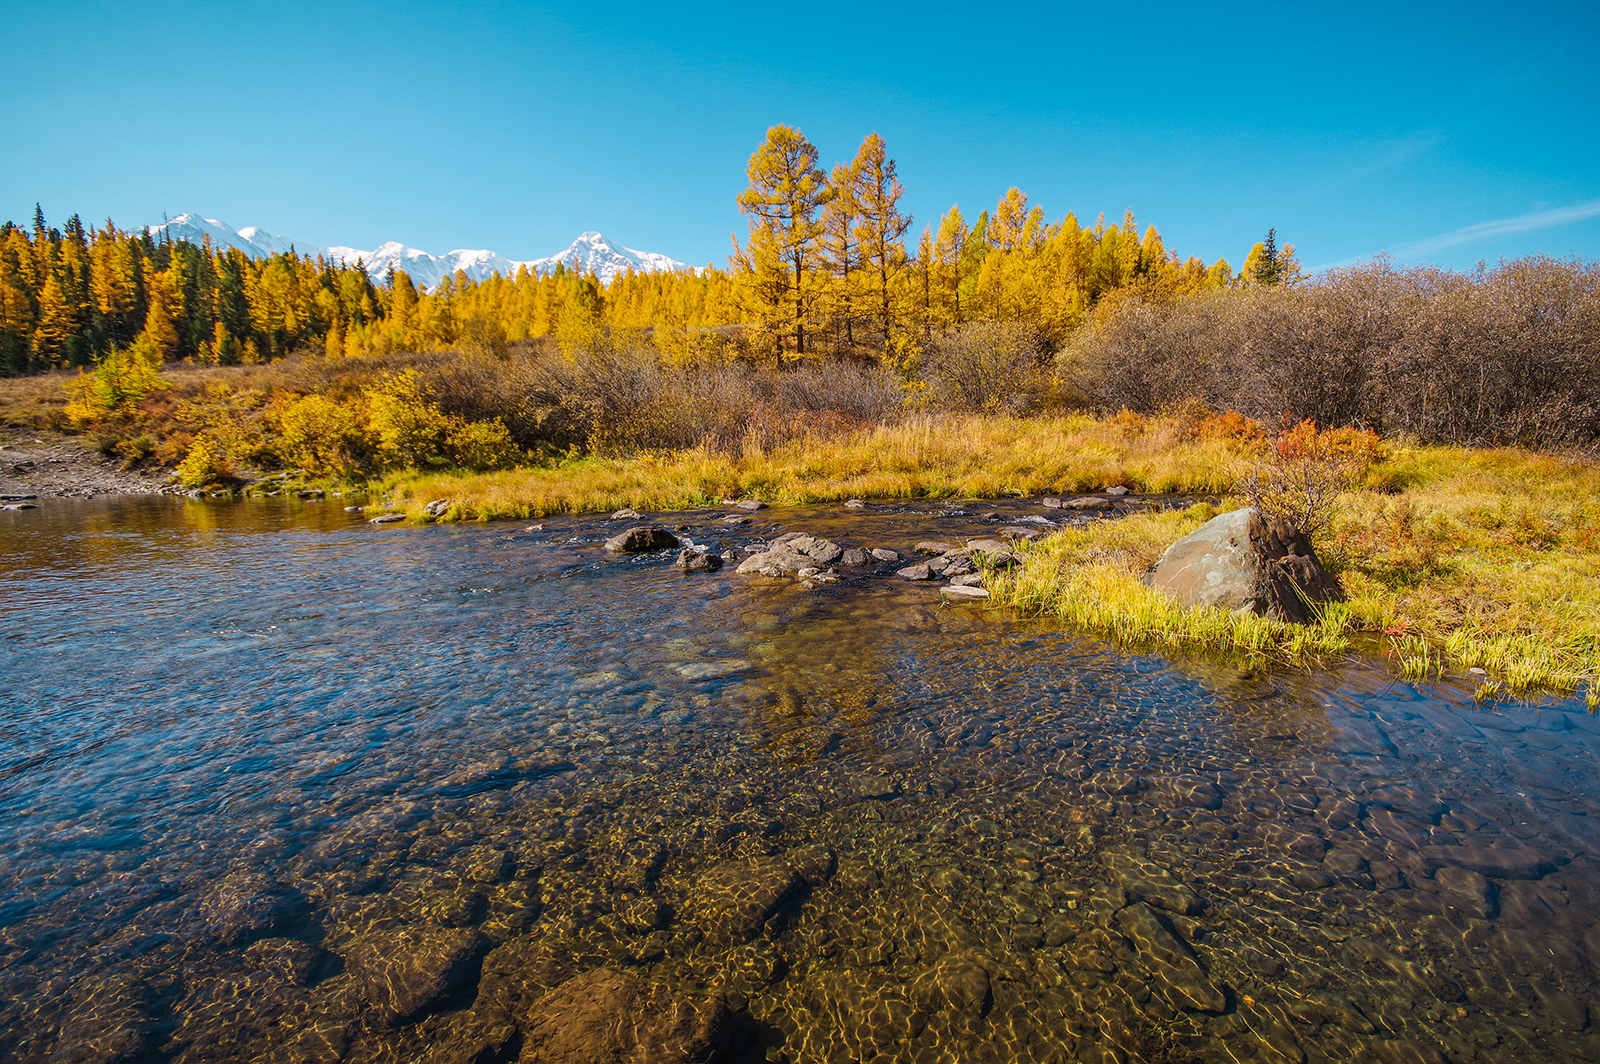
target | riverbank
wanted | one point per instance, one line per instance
(1451, 557)
(52, 466)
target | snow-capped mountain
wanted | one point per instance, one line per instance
(591, 251)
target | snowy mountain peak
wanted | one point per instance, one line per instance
(590, 253)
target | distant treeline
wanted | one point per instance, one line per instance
(1011, 313)
(825, 272)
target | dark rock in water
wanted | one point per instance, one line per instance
(641, 539)
(625, 514)
(1152, 883)
(610, 1017)
(287, 959)
(814, 864)
(853, 556)
(416, 969)
(920, 571)
(1170, 963)
(1052, 502)
(1492, 859)
(19, 506)
(384, 519)
(959, 983)
(698, 561)
(884, 554)
(734, 902)
(749, 504)
(1245, 560)
(931, 547)
(109, 1023)
(736, 520)
(249, 905)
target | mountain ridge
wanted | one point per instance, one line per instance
(590, 252)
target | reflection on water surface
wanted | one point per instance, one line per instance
(281, 785)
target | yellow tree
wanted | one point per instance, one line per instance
(786, 192)
(949, 252)
(882, 229)
(841, 245)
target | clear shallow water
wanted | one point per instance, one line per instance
(282, 785)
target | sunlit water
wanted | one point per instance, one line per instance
(278, 784)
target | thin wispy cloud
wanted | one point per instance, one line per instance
(1522, 223)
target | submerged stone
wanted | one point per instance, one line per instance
(610, 1017)
(416, 969)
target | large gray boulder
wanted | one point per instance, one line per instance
(1245, 560)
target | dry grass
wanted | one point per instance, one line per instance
(931, 456)
(1467, 558)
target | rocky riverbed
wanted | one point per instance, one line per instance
(470, 794)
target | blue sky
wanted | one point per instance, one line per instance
(1448, 133)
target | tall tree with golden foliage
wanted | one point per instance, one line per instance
(782, 256)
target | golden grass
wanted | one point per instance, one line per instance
(936, 457)
(1468, 558)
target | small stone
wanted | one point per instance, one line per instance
(853, 556)
(967, 580)
(387, 519)
(625, 514)
(962, 593)
(932, 547)
(1476, 671)
(855, 504)
(1118, 490)
(1052, 502)
(641, 539)
(354, 509)
(920, 571)
(1015, 532)
(534, 528)
(884, 554)
(698, 561)
(439, 507)
(749, 504)
(737, 520)
(988, 546)
(1086, 502)
(778, 562)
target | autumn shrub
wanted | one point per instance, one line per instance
(1299, 476)
(481, 446)
(406, 428)
(206, 465)
(122, 378)
(1503, 356)
(986, 366)
(321, 436)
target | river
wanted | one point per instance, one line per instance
(280, 784)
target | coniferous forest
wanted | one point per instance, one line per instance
(1008, 311)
